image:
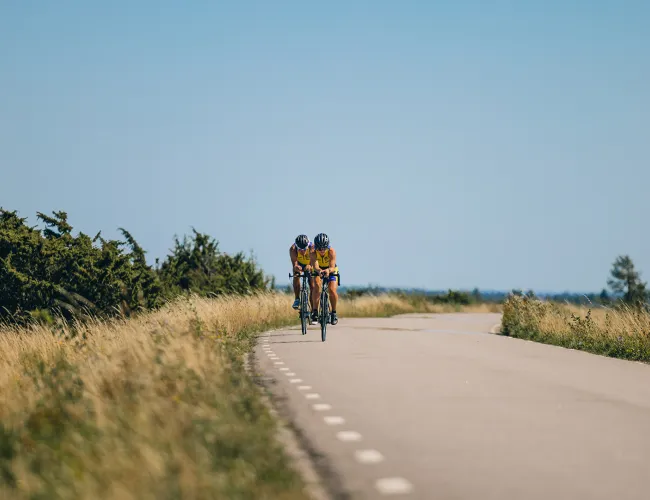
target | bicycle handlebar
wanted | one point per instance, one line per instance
(303, 275)
(313, 273)
(337, 275)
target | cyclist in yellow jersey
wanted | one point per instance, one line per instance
(300, 253)
(323, 260)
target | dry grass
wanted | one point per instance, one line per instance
(389, 305)
(616, 332)
(159, 406)
(153, 407)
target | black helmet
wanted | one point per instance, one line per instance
(322, 241)
(302, 241)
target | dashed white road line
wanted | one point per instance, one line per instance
(368, 456)
(386, 485)
(334, 420)
(393, 486)
(348, 436)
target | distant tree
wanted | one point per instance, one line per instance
(476, 296)
(625, 281)
(604, 297)
(452, 297)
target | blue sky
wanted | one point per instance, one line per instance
(440, 144)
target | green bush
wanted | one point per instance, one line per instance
(198, 266)
(70, 275)
(48, 273)
(619, 332)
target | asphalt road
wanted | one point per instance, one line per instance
(435, 407)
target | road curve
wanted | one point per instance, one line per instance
(435, 407)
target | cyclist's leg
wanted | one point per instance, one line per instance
(313, 294)
(315, 297)
(296, 289)
(334, 297)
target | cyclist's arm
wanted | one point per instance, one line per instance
(293, 253)
(332, 260)
(314, 261)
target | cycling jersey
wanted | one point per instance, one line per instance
(323, 259)
(304, 255)
(324, 263)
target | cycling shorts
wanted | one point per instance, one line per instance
(331, 277)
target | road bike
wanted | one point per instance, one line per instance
(324, 313)
(305, 304)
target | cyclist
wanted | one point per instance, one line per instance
(300, 253)
(323, 260)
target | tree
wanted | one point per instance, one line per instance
(625, 280)
(53, 270)
(197, 265)
(604, 297)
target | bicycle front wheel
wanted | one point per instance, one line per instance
(324, 315)
(304, 312)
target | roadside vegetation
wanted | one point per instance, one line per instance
(390, 304)
(157, 406)
(48, 271)
(617, 326)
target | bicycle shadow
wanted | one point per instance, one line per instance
(297, 337)
(285, 334)
(297, 341)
